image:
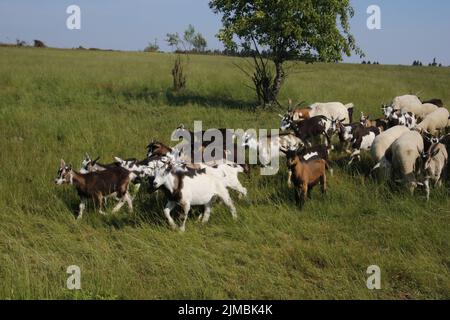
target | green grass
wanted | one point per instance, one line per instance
(63, 103)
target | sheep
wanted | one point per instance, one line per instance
(330, 110)
(411, 103)
(403, 155)
(97, 185)
(306, 174)
(382, 143)
(384, 140)
(405, 101)
(435, 122)
(434, 162)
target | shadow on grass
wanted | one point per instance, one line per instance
(182, 98)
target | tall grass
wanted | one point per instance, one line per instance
(63, 103)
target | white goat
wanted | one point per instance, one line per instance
(192, 188)
(434, 162)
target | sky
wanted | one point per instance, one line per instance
(410, 30)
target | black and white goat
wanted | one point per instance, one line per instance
(309, 129)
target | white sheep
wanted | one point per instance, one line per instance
(420, 110)
(404, 153)
(412, 103)
(401, 102)
(381, 144)
(384, 140)
(332, 110)
(435, 122)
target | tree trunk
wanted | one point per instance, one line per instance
(278, 80)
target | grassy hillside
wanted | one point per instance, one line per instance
(62, 103)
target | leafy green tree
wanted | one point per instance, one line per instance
(199, 43)
(189, 35)
(173, 40)
(288, 29)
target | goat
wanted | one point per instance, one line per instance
(306, 174)
(190, 188)
(97, 185)
(308, 129)
(156, 148)
(330, 110)
(362, 139)
(310, 153)
(381, 124)
(89, 165)
(267, 148)
(399, 118)
(434, 162)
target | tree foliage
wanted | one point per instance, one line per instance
(288, 29)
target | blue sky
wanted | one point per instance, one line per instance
(410, 29)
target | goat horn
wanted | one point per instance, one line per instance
(280, 116)
(98, 158)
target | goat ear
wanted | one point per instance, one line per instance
(434, 153)
(118, 159)
(280, 116)
(62, 163)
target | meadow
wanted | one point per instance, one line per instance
(62, 103)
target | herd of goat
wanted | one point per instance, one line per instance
(408, 144)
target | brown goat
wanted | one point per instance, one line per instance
(97, 185)
(306, 174)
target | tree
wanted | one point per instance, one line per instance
(189, 35)
(152, 47)
(287, 29)
(174, 40)
(199, 43)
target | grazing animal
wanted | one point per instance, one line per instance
(405, 101)
(308, 129)
(190, 188)
(159, 149)
(362, 139)
(403, 155)
(411, 103)
(398, 118)
(436, 122)
(268, 149)
(330, 110)
(306, 174)
(434, 162)
(310, 153)
(89, 165)
(381, 124)
(97, 185)
(382, 143)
